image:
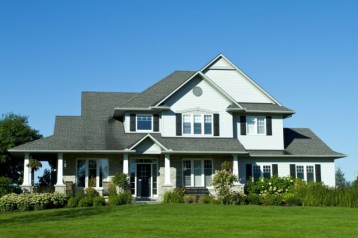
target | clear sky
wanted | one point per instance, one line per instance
(304, 53)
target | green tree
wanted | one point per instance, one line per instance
(14, 131)
(340, 180)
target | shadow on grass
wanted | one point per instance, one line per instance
(56, 214)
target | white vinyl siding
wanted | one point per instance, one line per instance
(237, 86)
(209, 103)
(262, 142)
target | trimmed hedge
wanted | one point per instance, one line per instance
(26, 202)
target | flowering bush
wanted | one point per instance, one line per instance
(223, 180)
(24, 202)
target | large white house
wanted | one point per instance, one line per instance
(177, 133)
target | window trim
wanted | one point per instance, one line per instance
(256, 128)
(144, 115)
(97, 172)
(192, 178)
(202, 121)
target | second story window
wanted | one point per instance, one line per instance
(197, 124)
(144, 122)
(255, 125)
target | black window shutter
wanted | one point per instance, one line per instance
(275, 169)
(178, 124)
(132, 122)
(156, 122)
(216, 125)
(243, 125)
(269, 126)
(293, 170)
(318, 172)
(248, 171)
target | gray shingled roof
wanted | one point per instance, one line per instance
(98, 134)
(262, 107)
(300, 142)
(158, 91)
(97, 104)
(103, 134)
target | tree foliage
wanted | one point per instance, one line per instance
(340, 179)
(14, 131)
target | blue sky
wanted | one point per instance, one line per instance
(304, 53)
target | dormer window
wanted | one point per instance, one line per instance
(144, 122)
(255, 125)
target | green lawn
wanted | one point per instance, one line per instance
(183, 221)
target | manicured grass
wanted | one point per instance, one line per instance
(182, 221)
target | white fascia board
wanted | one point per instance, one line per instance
(259, 111)
(152, 138)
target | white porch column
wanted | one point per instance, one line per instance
(27, 171)
(125, 164)
(235, 166)
(167, 170)
(60, 170)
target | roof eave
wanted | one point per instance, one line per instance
(120, 111)
(74, 151)
(206, 152)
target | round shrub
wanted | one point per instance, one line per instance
(73, 202)
(253, 199)
(125, 198)
(86, 202)
(206, 199)
(113, 200)
(190, 199)
(98, 201)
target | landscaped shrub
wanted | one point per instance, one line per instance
(90, 192)
(86, 202)
(73, 202)
(112, 191)
(253, 199)
(206, 199)
(113, 200)
(125, 198)
(98, 201)
(24, 202)
(223, 180)
(190, 198)
(121, 180)
(176, 196)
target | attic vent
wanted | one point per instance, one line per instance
(197, 91)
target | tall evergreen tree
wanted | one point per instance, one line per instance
(340, 180)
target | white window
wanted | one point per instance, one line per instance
(300, 172)
(255, 125)
(92, 172)
(197, 124)
(310, 173)
(144, 123)
(267, 171)
(197, 173)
